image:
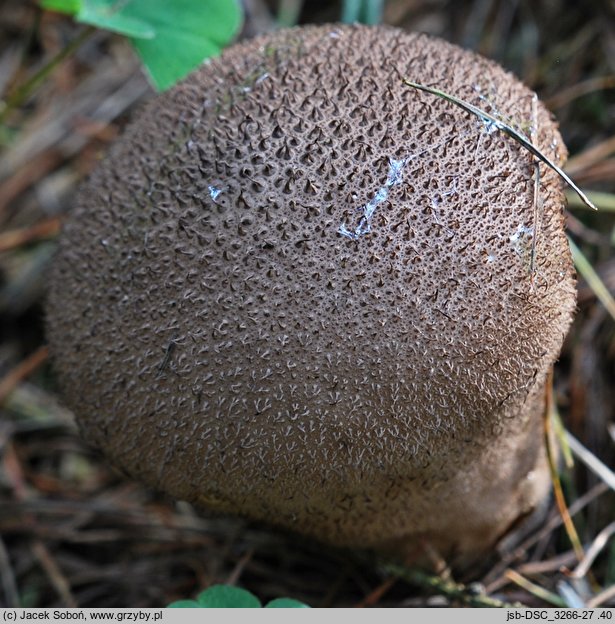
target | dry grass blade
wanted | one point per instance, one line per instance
(503, 127)
(591, 156)
(558, 492)
(570, 595)
(560, 433)
(555, 564)
(585, 268)
(57, 578)
(23, 370)
(602, 597)
(535, 590)
(493, 581)
(235, 575)
(575, 91)
(600, 541)
(7, 578)
(591, 461)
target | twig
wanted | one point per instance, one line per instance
(57, 578)
(506, 129)
(235, 575)
(603, 171)
(591, 156)
(32, 171)
(565, 96)
(555, 564)
(15, 238)
(21, 371)
(376, 594)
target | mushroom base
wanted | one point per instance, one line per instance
(486, 495)
(498, 499)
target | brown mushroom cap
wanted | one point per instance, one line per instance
(303, 292)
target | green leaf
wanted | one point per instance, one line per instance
(187, 32)
(286, 603)
(172, 37)
(116, 16)
(227, 597)
(62, 6)
(184, 604)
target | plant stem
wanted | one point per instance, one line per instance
(23, 92)
(289, 12)
(351, 11)
(372, 11)
(363, 11)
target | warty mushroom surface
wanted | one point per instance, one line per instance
(299, 291)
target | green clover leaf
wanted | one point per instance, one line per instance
(227, 597)
(171, 38)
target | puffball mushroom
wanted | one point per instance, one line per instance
(300, 291)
